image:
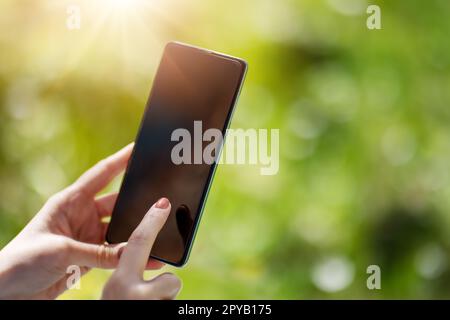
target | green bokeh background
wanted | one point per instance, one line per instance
(364, 135)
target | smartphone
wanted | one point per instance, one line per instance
(192, 86)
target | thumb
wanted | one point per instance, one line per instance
(105, 256)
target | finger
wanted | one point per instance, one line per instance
(104, 256)
(137, 251)
(98, 177)
(164, 287)
(105, 204)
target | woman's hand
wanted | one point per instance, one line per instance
(67, 231)
(127, 281)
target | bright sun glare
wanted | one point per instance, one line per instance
(127, 26)
(123, 5)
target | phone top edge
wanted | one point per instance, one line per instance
(243, 63)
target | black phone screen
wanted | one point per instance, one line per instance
(191, 85)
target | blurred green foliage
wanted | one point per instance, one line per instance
(364, 135)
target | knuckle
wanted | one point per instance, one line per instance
(71, 197)
(65, 246)
(120, 287)
(171, 280)
(154, 219)
(155, 216)
(105, 164)
(58, 199)
(142, 292)
(138, 238)
(63, 250)
(169, 285)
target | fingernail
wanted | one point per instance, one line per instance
(162, 203)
